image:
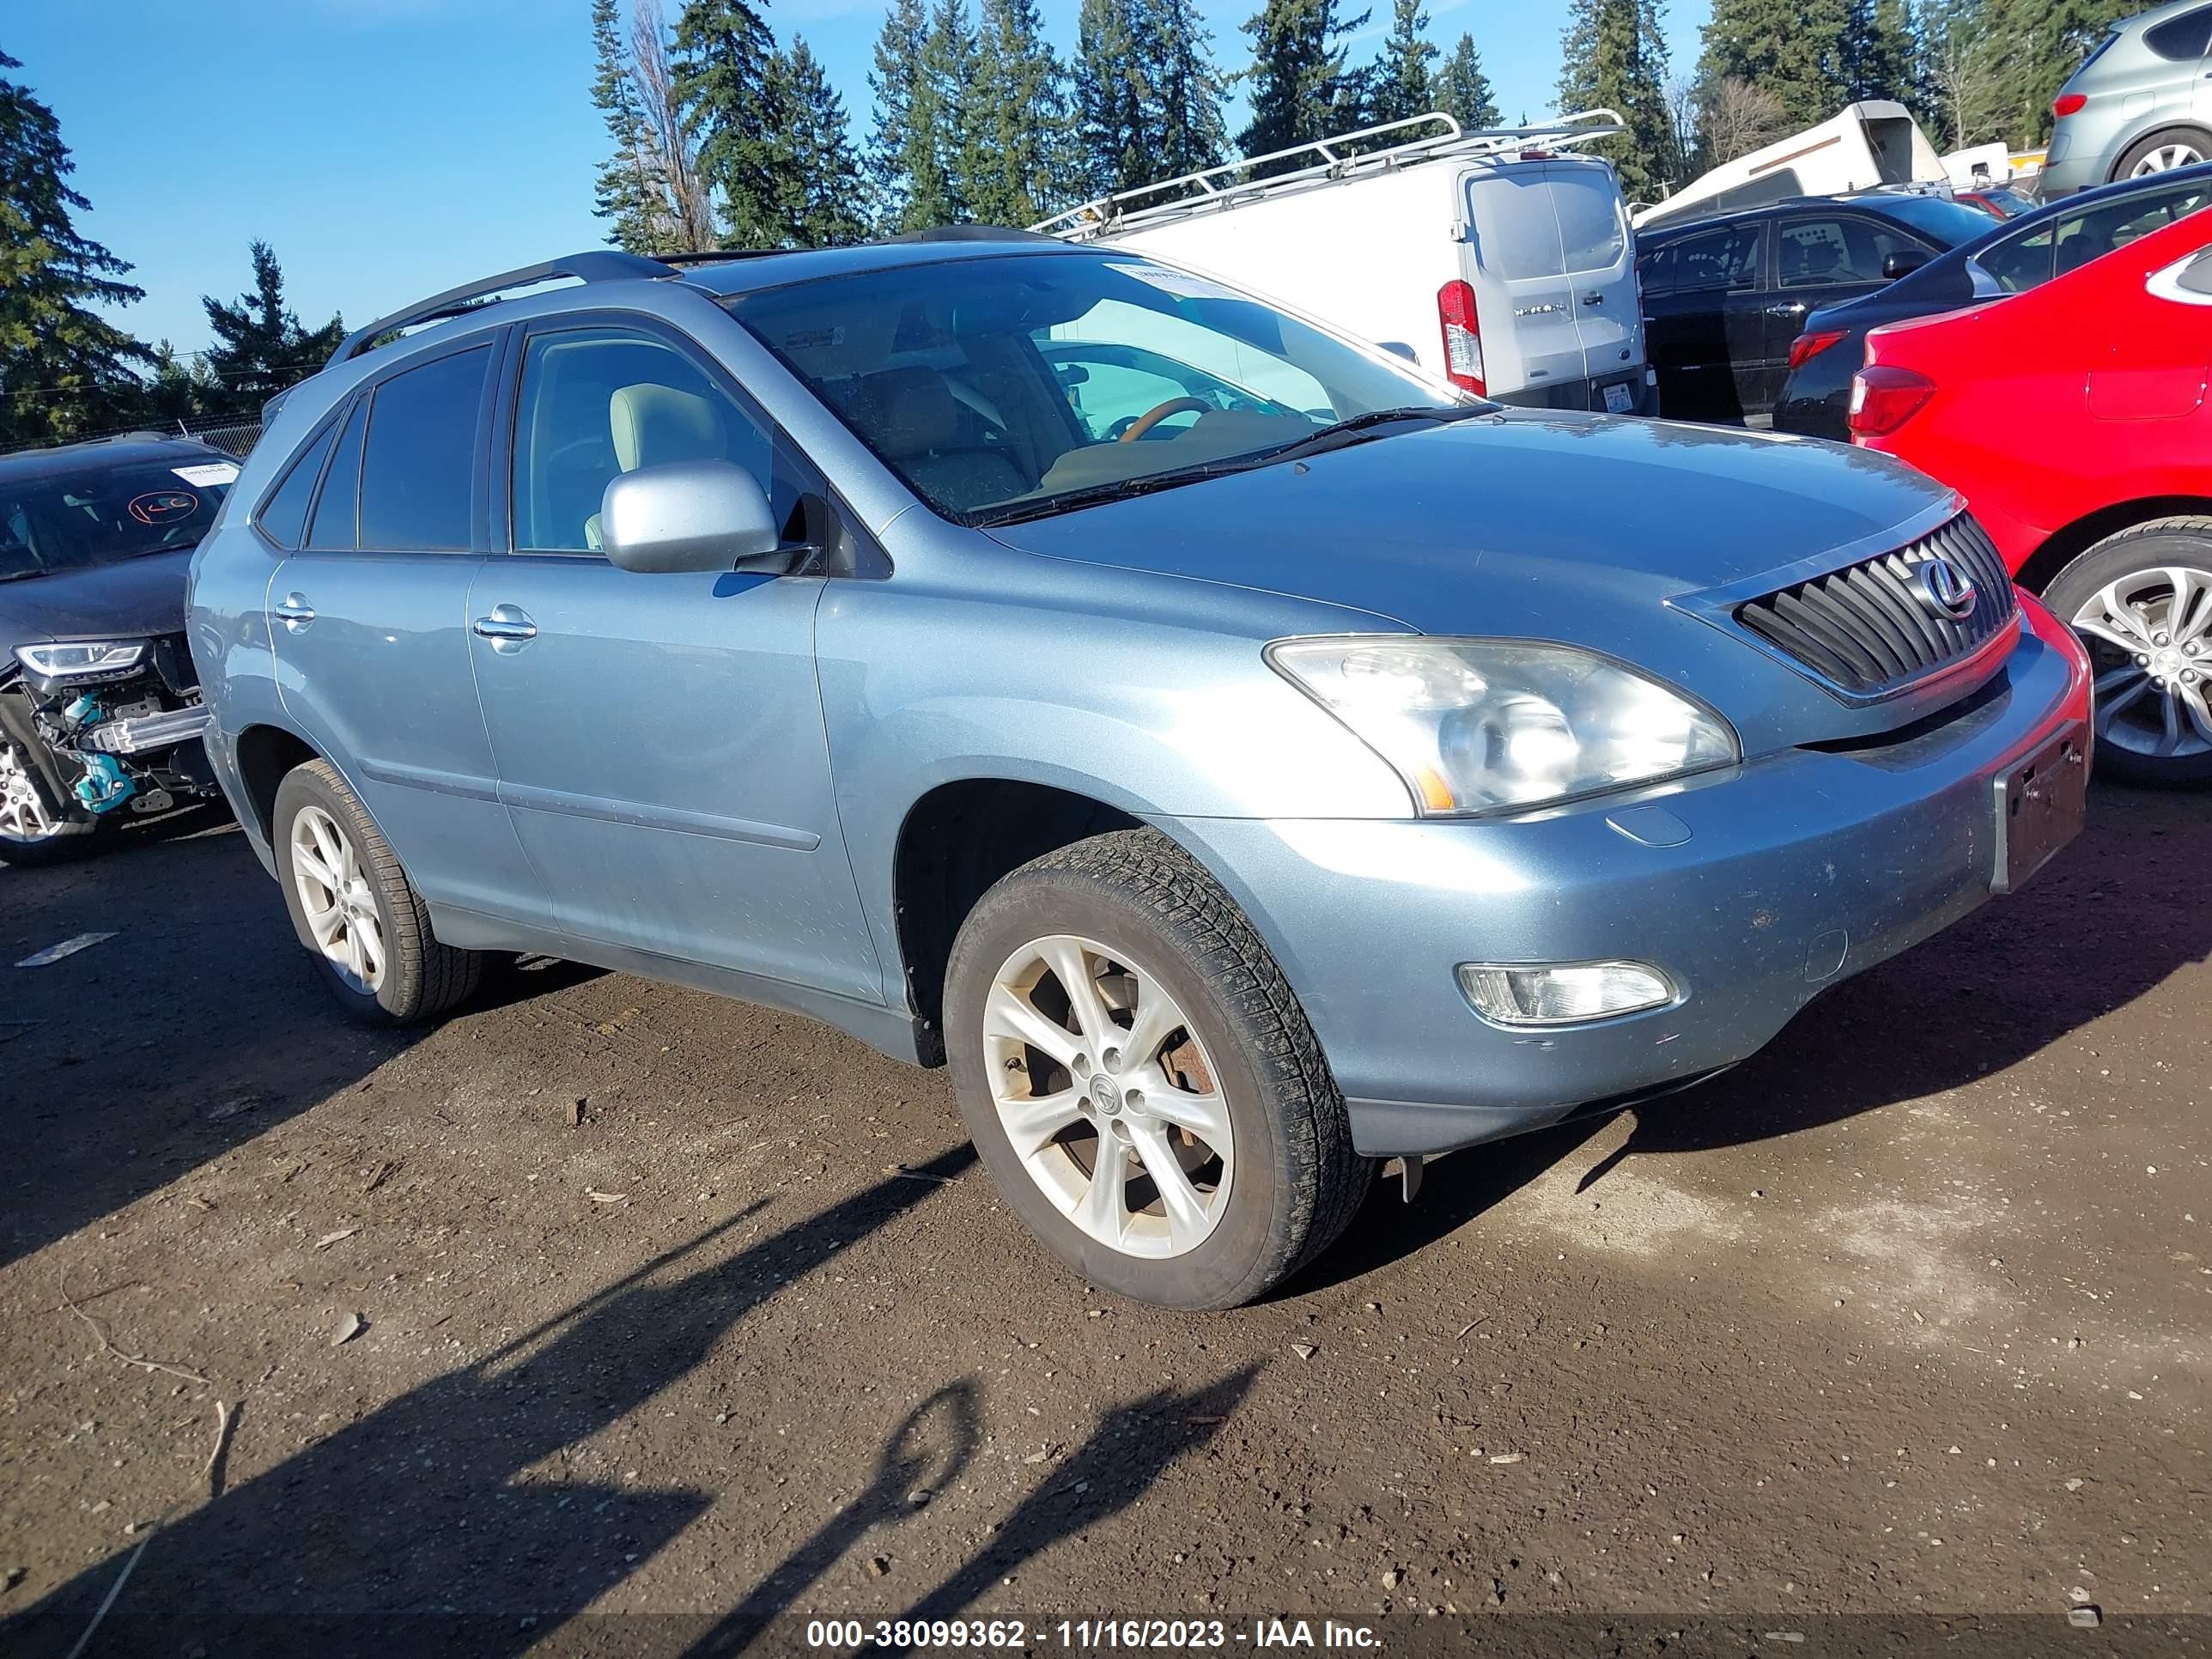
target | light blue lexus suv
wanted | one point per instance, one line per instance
(1241, 758)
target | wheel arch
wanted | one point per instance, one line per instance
(2063, 546)
(2150, 128)
(957, 840)
(266, 754)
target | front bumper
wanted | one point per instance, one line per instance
(1782, 876)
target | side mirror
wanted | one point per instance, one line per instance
(687, 515)
(1904, 263)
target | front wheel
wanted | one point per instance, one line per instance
(2142, 602)
(32, 831)
(1141, 1080)
(354, 909)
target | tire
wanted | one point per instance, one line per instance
(1145, 921)
(2147, 732)
(60, 838)
(2169, 147)
(410, 976)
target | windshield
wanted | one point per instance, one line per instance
(1014, 386)
(91, 513)
(1948, 224)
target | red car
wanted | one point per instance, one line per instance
(2074, 418)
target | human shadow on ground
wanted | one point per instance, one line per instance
(469, 1516)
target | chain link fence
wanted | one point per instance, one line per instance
(233, 437)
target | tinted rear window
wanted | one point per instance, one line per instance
(336, 510)
(418, 469)
(1947, 224)
(284, 518)
(2183, 40)
(1590, 234)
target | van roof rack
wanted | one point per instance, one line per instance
(1324, 160)
(599, 264)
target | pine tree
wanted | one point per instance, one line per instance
(260, 347)
(63, 366)
(1019, 111)
(1878, 51)
(1615, 56)
(818, 203)
(1792, 50)
(946, 143)
(1401, 84)
(1300, 90)
(720, 56)
(179, 391)
(1462, 91)
(1112, 109)
(1186, 90)
(628, 191)
(898, 149)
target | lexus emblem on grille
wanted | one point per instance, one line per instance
(1944, 589)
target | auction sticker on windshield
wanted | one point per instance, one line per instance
(1180, 283)
(207, 473)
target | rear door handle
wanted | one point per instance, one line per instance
(1593, 299)
(1793, 308)
(295, 613)
(508, 628)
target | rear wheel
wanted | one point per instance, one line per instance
(2141, 602)
(2164, 150)
(32, 830)
(354, 909)
(1140, 1079)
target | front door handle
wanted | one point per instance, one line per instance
(295, 613)
(1792, 308)
(508, 628)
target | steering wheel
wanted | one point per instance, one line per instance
(1152, 417)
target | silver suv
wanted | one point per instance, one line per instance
(2141, 102)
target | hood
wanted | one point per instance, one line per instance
(1515, 523)
(131, 598)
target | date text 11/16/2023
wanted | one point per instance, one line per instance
(1086, 1635)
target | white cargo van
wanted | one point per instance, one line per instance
(1501, 260)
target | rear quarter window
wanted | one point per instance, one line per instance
(283, 517)
(2182, 40)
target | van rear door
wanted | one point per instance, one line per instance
(1599, 253)
(1550, 259)
(1532, 350)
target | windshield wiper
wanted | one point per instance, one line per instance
(1117, 490)
(22, 576)
(1336, 433)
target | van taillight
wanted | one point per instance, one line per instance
(1463, 338)
(1884, 397)
(2067, 103)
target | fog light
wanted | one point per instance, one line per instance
(1564, 994)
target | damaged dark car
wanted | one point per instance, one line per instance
(100, 714)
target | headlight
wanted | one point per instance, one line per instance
(1481, 726)
(82, 660)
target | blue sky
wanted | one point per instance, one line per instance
(390, 149)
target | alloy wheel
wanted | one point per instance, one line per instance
(1107, 1096)
(23, 814)
(2165, 157)
(336, 899)
(2149, 634)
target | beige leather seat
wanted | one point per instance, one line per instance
(651, 425)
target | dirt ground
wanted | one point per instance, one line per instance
(681, 1324)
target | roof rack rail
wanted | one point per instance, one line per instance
(969, 234)
(603, 265)
(1322, 161)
